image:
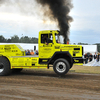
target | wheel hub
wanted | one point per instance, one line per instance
(61, 67)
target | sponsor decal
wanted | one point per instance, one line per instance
(7, 48)
(57, 47)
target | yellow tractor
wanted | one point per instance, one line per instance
(52, 53)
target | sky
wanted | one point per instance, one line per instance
(26, 19)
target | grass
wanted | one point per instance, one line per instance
(85, 69)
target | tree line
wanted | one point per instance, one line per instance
(16, 39)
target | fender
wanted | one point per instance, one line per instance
(65, 54)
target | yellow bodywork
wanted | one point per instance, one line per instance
(26, 62)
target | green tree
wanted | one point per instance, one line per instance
(2, 39)
(26, 39)
(15, 39)
(34, 40)
(8, 40)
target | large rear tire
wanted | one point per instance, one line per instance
(4, 66)
(61, 66)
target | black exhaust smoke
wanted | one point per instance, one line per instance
(56, 10)
(59, 10)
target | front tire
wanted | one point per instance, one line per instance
(4, 66)
(61, 66)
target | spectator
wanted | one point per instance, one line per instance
(90, 57)
(86, 58)
(32, 53)
(95, 56)
(28, 52)
(36, 52)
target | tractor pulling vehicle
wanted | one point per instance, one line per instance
(51, 54)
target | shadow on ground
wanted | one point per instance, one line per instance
(47, 73)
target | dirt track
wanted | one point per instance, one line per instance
(46, 85)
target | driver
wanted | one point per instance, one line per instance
(45, 39)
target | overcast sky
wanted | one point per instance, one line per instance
(24, 20)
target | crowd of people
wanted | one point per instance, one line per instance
(89, 57)
(31, 52)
